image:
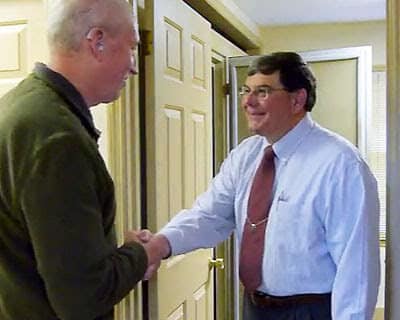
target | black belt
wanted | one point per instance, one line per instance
(261, 299)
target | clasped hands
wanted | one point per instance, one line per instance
(157, 247)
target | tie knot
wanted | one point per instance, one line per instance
(269, 153)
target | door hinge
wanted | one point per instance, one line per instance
(146, 42)
(226, 89)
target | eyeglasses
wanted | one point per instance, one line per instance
(261, 92)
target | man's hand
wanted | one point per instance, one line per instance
(132, 236)
(157, 247)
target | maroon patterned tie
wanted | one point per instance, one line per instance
(260, 199)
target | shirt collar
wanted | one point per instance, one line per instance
(68, 92)
(287, 145)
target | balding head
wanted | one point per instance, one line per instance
(93, 44)
(70, 21)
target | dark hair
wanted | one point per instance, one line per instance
(294, 73)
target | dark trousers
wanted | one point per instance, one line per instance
(304, 311)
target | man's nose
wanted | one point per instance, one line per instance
(251, 99)
(133, 67)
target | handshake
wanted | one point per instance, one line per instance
(156, 246)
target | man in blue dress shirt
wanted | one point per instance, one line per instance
(321, 245)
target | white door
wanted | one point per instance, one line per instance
(22, 39)
(178, 150)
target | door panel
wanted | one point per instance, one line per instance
(22, 40)
(336, 105)
(178, 150)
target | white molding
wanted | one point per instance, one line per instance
(392, 292)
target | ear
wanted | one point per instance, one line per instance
(95, 41)
(299, 99)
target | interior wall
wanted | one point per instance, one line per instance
(327, 36)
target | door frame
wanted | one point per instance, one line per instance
(223, 285)
(392, 290)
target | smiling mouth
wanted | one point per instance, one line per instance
(256, 115)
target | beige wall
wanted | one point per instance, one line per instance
(327, 36)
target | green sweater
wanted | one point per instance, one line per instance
(58, 253)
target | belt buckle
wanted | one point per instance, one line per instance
(259, 299)
(253, 298)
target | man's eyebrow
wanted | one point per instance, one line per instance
(259, 86)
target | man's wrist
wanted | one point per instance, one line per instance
(164, 245)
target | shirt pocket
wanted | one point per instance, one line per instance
(295, 224)
(287, 218)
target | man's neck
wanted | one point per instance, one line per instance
(68, 65)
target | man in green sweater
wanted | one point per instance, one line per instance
(58, 252)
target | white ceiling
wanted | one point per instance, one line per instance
(283, 12)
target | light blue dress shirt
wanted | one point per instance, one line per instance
(322, 232)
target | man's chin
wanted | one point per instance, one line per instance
(114, 97)
(253, 129)
(257, 131)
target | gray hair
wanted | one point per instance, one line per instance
(69, 21)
